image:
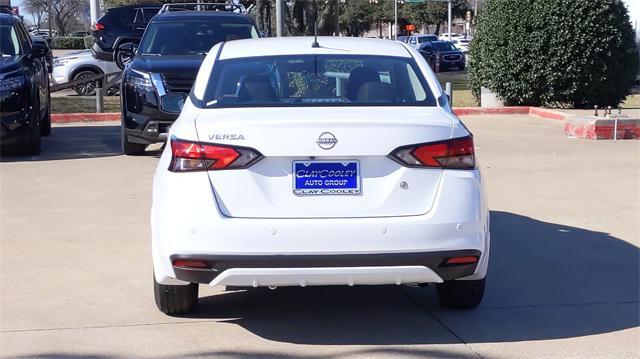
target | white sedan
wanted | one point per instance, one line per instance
(301, 165)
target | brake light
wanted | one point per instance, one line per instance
(197, 156)
(457, 153)
(98, 26)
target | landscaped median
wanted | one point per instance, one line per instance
(576, 124)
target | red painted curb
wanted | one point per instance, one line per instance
(514, 110)
(549, 114)
(84, 117)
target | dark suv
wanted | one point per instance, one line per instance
(120, 25)
(444, 53)
(164, 67)
(24, 88)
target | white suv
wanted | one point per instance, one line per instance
(301, 165)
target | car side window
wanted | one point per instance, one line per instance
(23, 37)
(149, 13)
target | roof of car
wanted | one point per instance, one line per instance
(194, 15)
(301, 45)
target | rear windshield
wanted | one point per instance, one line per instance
(192, 37)
(317, 80)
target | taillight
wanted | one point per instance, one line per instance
(197, 156)
(457, 153)
(98, 26)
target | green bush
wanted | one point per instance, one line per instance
(566, 53)
(88, 41)
(67, 42)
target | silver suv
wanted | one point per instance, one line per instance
(78, 65)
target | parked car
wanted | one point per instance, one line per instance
(276, 174)
(118, 26)
(402, 38)
(444, 53)
(24, 88)
(79, 65)
(49, 57)
(461, 44)
(445, 36)
(164, 68)
(416, 40)
(43, 33)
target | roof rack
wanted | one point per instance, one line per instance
(202, 6)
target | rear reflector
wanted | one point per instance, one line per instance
(462, 260)
(457, 153)
(190, 264)
(197, 156)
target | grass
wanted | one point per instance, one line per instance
(81, 104)
(633, 101)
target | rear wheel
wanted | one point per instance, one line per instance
(45, 125)
(175, 299)
(461, 294)
(32, 146)
(88, 88)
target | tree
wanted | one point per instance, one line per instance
(63, 12)
(569, 53)
(433, 13)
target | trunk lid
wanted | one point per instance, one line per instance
(364, 134)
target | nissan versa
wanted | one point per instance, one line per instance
(338, 163)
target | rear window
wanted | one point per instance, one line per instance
(317, 80)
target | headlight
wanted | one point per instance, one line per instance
(60, 62)
(11, 83)
(139, 79)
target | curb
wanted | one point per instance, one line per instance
(84, 117)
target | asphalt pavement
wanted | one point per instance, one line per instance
(564, 276)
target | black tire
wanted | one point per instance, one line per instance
(121, 60)
(130, 148)
(88, 89)
(45, 124)
(461, 294)
(175, 299)
(33, 144)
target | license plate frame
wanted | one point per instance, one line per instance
(352, 186)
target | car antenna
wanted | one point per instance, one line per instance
(315, 43)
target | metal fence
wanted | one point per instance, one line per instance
(103, 81)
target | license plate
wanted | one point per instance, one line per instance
(326, 177)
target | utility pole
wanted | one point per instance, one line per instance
(49, 18)
(395, 19)
(94, 11)
(279, 18)
(449, 20)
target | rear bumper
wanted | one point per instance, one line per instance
(99, 53)
(341, 269)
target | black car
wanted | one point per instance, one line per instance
(160, 75)
(24, 88)
(444, 53)
(120, 25)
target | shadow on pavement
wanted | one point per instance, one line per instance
(74, 142)
(546, 281)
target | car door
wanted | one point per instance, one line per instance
(39, 67)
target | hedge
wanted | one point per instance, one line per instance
(564, 53)
(67, 42)
(88, 41)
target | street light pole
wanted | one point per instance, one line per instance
(49, 18)
(279, 18)
(94, 11)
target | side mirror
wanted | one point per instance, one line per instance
(128, 49)
(39, 50)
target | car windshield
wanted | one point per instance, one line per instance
(422, 39)
(192, 37)
(443, 46)
(9, 44)
(317, 80)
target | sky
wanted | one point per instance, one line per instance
(632, 5)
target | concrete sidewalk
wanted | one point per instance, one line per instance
(76, 277)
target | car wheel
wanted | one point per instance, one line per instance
(32, 147)
(175, 299)
(86, 89)
(45, 125)
(461, 294)
(121, 59)
(130, 148)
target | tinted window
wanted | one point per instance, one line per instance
(191, 38)
(422, 39)
(320, 80)
(9, 43)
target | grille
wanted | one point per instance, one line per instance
(178, 82)
(452, 57)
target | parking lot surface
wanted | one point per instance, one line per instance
(76, 274)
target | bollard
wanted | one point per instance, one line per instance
(449, 92)
(595, 107)
(99, 97)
